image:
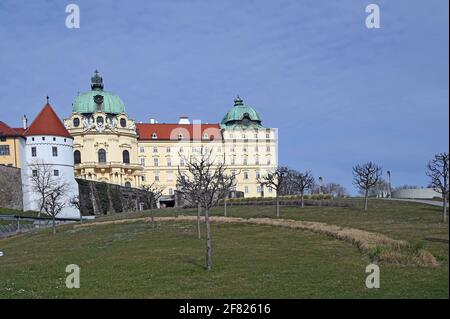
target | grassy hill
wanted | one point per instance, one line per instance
(138, 260)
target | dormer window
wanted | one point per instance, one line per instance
(123, 122)
(180, 136)
(205, 136)
(154, 136)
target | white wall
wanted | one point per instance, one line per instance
(63, 163)
(423, 193)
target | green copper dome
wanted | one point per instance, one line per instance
(97, 99)
(241, 115)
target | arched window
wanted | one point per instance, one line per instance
(127, 184)
(123, 122)
(101, 156)
(77, 157)
(126, 157)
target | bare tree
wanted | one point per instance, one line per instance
(51, 189)
(438, 171)
(153, 194)
(55, 202)
(188, 187)
(335, 189)
(365, 177)
(41, 181)
(276, 180)
(211, 182)
(302, 182)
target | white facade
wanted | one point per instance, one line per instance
(57, 152)
(416, 193)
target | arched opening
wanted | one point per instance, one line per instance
(127, 184)
(77, 157)
(101, 156)
(126, 157)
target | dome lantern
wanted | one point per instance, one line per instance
(97, 82)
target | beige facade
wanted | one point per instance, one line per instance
(110, 147)
(105, 150)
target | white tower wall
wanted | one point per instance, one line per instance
(63, 163)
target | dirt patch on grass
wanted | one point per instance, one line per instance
(378, 247)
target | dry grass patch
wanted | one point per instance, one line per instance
(379, 247)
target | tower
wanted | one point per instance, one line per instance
(48, 143)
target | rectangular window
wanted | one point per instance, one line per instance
(245, 175)
(142, 161)
(2, 138)
(156, 178)
(35, 173)
(56, 172)
(33, 152)
(155, 162)
(54, 151)
(155, 150)
(168, 149)
(246, 189)
(258, 189)
(169, 162)
(267, 148)
(142, 149)
(4, 150)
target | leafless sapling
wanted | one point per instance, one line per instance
(275, 180)
(365, 177)
(438, 171)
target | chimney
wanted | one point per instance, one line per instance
(153, 121)
(24, 122)
(184, 120)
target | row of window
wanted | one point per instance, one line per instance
(244, 136)
(54, 151)
(207, 149)
(99, 120)
(101, 156)
(55, 172)
(43, 139)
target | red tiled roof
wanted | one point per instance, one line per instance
(171, 131)
(19, 130)
(6, 130)
(47, 123)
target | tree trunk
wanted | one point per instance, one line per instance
(208, 241)
(54, 225)
(225, 207)
(199, 208)
(302, 200)
(278, 206)
(445, 208)
(366, 199)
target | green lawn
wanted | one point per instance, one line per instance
(249, 261)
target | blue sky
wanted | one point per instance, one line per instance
(338, 92)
